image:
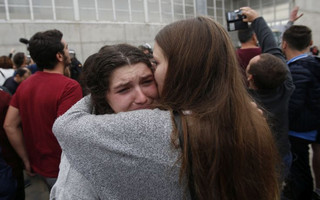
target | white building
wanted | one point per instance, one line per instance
(89, 24)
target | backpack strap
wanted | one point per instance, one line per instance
(178, 123)
(2, 74)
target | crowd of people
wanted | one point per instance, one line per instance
(192, 118)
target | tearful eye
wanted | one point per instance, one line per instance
(147, 82)
(123, 90)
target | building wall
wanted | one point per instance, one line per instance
(84, 38)
(86, 29)
(311, 17)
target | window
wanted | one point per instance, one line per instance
(87, 10)
(42, 9)
(2, 10)
(64, 10)
(153, 10)
(19, 9)
(137, 11)
(122, 10)
(105, 9)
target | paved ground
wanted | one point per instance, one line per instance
(38, 190)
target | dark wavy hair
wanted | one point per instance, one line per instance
(43, 48)
(100, 66)
(6, 62)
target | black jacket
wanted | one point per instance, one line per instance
(274, 101)
(304, 106)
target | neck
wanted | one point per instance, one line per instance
(58, 69)
(294, 53)
(248, 45)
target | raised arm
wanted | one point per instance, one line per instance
(264, 34)
(293, 17)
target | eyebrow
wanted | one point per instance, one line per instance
(146, 77)
(125, 84)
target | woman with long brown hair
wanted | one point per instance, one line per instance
(203, 128)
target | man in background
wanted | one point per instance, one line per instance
(38, 101)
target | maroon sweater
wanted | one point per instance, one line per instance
(244, 56)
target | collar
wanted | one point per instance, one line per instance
(297, 58)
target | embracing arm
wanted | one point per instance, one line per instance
(80, 133)
(15, 136)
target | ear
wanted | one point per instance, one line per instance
(59, 56)
(311, 42)
(284, 44)
(249, 77)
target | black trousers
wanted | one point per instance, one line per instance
(299, 184)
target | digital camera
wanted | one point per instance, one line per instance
(234, 20)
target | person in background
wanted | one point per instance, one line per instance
(270, 83)
(19, 60)
(314, 50)
(13, 82)
(249, 48)
(38, 101)
(8, 183)
(304, 109)
(11, 53)
(6, 69)
(75, 66)
(201, 141)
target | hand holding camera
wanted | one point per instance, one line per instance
(239, 19)
(250, 14)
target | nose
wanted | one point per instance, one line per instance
(140, 97)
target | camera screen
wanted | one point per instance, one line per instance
(233, 16)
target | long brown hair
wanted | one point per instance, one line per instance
(233, 152)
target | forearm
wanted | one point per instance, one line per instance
(16, 139)
(265, 38)
(14, 132)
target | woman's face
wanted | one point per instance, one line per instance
(161, 66)
(132, 87)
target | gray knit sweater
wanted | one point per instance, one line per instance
(123, 156)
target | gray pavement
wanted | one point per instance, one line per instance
(38, 190)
